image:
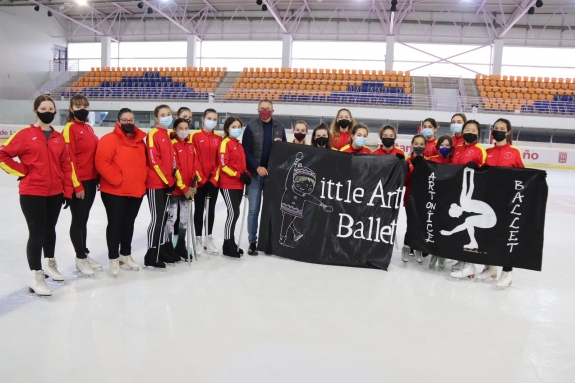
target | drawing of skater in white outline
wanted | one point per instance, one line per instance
(300, 183)
(485, 217)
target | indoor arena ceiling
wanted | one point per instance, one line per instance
(519, 22)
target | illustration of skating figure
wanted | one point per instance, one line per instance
(300, 183)
(484, 217)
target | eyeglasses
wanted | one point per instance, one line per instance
(124, 121)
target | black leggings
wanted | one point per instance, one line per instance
(122, 212)
(41, 215)
(233, 199)
(80, 209)
(157, 199)
(199, 205)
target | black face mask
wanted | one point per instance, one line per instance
(498, 135)
(344, 123)
(470, 137)
(127, 128)
(299, 136)
(321, 141)
(388, 142)
(46, 117)
(81, 114)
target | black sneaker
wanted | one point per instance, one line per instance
(230, 249)
(252, 250)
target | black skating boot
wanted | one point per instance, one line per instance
(181, 248)
(167, 253)
(230, 249)
(150, 259)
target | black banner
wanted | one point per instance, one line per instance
(328, 207)
(493, 216)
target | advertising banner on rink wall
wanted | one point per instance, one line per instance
(493, 216)
(323, 206)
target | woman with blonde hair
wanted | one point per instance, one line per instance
(341, 127)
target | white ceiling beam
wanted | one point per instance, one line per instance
(274, 12)
(167, 17)
(516, 16)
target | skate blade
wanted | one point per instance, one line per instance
(155, 269)
(468, 278)
(32, 294)
(53, 282)
(487, 280)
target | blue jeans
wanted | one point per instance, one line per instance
(255, 200)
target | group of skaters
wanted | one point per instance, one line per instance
(178, 167)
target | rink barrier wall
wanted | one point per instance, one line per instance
(561, 156)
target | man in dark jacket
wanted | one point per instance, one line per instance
(257, 141)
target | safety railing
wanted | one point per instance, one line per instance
(62, 79)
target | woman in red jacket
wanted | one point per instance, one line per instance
(234, 177)
(207, 143)
(160, 184)
(387, 136)
(506, 155)
(187, 176)
(341, 126)
(444, 149)
(472, 155)
(82, 143)
(428, 130)
(457, 121)
(45, 184)
(357, 141)
(121, 164)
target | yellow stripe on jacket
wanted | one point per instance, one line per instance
(225, 168)
(151, 145)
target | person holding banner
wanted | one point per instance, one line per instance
(418, 143)
(457, 121)
(428, 130)
(45, 176)
(234, 177)
(300, 132)
(444, 149)
(121, 164)
(387, 136)
(257, 140)
(321, 137)
(505, 155)
(187, 175)
(341, 126)
(82, 143)
(206, 143)
(470, 153)
(357, 141)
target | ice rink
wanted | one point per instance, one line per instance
(267, 319)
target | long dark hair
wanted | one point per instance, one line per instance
(440, 141)
(228, 122)
(354, 131)
(77, 100)
(177, 122)
(387, 127)
(469, 122)
(431, 121)
(41, 98)
(160, 107)
(321, 126)
(183, 108)
(413, 140)
(508, 126)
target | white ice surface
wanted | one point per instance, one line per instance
(267, 319)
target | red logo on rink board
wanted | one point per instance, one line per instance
(562, 157)
(507, 156)
(469, 153)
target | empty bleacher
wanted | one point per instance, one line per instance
(527, 94)
(323, 85)
(148, 83)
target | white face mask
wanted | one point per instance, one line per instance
(182, 134)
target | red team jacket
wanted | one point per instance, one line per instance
(44, 164)
(188, 165)
(506, 156)
(430, 149)
(121, 163)
(82, 143)
(395, 150)
(464, 154)
(207, 146)
(440, 159)
(161, 159)
(342, 141)
(349, 149)
(457, 140)
(232, 163)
